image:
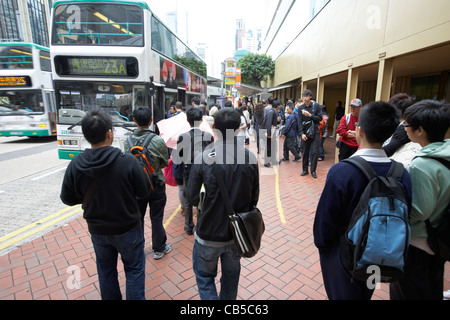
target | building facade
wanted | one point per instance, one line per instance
(25, 21)
(365, 49)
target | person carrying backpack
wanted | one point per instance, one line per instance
(426, 123)
(341, 195)
(157, 199)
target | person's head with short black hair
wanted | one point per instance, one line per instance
(401, 101)
(432, 116)
(195, 101)
(270, 100)
(307, 93)
(194, 116)
(290, 107)
(228, 104)
(378, 120)
(142, 116)
(95, 126)
(227, 119)
(276, 104)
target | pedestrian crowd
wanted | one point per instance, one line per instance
(115, 192)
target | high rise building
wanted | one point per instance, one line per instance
(240, 32)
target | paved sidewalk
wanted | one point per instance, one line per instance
(61, 264)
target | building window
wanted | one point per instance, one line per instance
(38, 22)
(9, 17)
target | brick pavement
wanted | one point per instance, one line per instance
(287, 267)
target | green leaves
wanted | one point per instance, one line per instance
(256, 68)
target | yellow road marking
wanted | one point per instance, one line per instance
(172, 216)
(277, 195)
(23, 235)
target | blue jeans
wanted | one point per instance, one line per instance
(130, 245)
(205, 260)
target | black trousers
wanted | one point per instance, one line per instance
(346, 152)
(424, 277)
(290, 144)
(157, 202)
(313, 146)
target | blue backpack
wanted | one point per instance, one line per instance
(379, 231)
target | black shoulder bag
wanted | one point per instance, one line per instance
(247, 227)
(309, 126)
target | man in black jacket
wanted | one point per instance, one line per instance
(108, 182)
(309, 112)
(213, 237)
(189, 144)
(270, 121)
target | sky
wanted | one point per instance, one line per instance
(214, 22)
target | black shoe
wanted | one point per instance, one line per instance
(189, 231)
(304, 173)
(314, 175)
(268, 165)
(297, 159)
(284, 159)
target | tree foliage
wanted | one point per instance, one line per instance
(256, 68)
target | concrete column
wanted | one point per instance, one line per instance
(352, 89)
(384, 83)
(320, 90)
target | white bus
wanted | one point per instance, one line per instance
(116, 55)
(27, 98)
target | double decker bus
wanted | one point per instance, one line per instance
(116, 55)
(27, 98)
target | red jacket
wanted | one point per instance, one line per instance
(343, 129)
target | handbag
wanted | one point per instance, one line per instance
(308, 126)
(168, 174)
(247, 227)
(308, 129)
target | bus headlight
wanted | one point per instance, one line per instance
(70, 142)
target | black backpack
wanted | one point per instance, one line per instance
(140, 151)
(379, 231)
(439, 237)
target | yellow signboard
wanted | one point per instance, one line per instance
(230, 81)
(24, 81)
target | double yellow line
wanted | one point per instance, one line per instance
(35, 227)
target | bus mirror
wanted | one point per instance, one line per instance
(151, 89)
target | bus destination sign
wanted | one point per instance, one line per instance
(14, 81)
(98, 66)
(126, 67)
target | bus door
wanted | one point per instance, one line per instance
(170, 98)
(158, 107)
(50, 108)
(182, 96)
(139, 96)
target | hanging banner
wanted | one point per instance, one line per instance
(238, 78)
(230, 67)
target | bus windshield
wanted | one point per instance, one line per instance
(21, 102)
(98, 24)
(16, 57)
(75, 99)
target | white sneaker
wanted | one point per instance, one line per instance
(159, 255)
(447, 295)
